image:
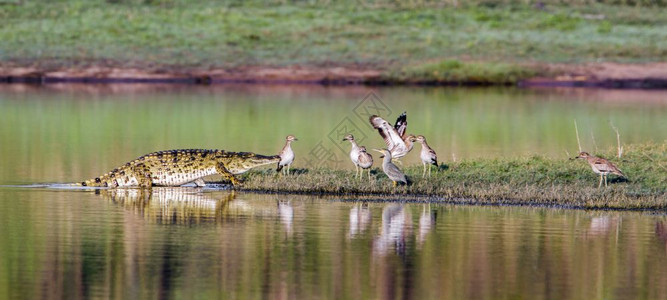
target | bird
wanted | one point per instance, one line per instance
(389, 168)
(601, 166)
(286, 155)
(354, 153)
(365, 161)
(427, 155)
(398, 143)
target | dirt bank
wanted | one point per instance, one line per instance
(608, 75)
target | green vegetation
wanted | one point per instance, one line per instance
(531, 180)
(456, 71)
(432, 40)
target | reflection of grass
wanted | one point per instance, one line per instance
(529, 180)
(210, 34)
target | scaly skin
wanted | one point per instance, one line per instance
(178, 167)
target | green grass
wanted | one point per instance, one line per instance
(531, 180)
(400, 39)
(456, 71)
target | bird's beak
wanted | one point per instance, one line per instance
(344, 140)
(296, 139)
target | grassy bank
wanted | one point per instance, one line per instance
(531, 180)
(484, 41)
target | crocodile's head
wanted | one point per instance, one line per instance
(241, 162)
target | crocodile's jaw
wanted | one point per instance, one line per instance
(238, 165)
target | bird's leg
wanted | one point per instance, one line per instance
(424, 173)
(369, 174)
(356, 172)
(605, 180)
(288, 169)
(600, 184)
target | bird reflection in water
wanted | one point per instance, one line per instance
(604, 225)
(360, 219)
(396, 227)
(286, 215)
(426, 223)
(661, 232)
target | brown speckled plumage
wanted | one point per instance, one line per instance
(601, 166)
(178, 167)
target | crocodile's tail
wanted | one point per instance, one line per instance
(95, 182)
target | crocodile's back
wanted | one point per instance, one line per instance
(178, 167)
(163, 168)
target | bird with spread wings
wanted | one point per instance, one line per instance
(398, 143)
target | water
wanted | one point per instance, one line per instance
(183, 243)
(188, 243)
(65, 133)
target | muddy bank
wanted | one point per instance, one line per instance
(596, 75)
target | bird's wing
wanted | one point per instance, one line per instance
(401, 124)
(365, 158)
(434, 157)
(388, 133)
(603, 165)
(606, 166)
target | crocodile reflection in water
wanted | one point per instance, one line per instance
(173, 205)
(187, 205)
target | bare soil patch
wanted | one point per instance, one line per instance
(610, 75)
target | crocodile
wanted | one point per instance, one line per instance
(178, 167)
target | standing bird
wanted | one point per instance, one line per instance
(365, 161)
(392, 171)
(354, 153)
(286, 155)
(601, 166)
(398, 143)
(427, 155)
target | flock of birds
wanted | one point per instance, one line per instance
(399, 144)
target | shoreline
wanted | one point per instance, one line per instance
(591, 75)
(522, 181)
(216, 186)
(532, 180)
(436, 199)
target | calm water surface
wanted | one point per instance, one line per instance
(187, 243)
